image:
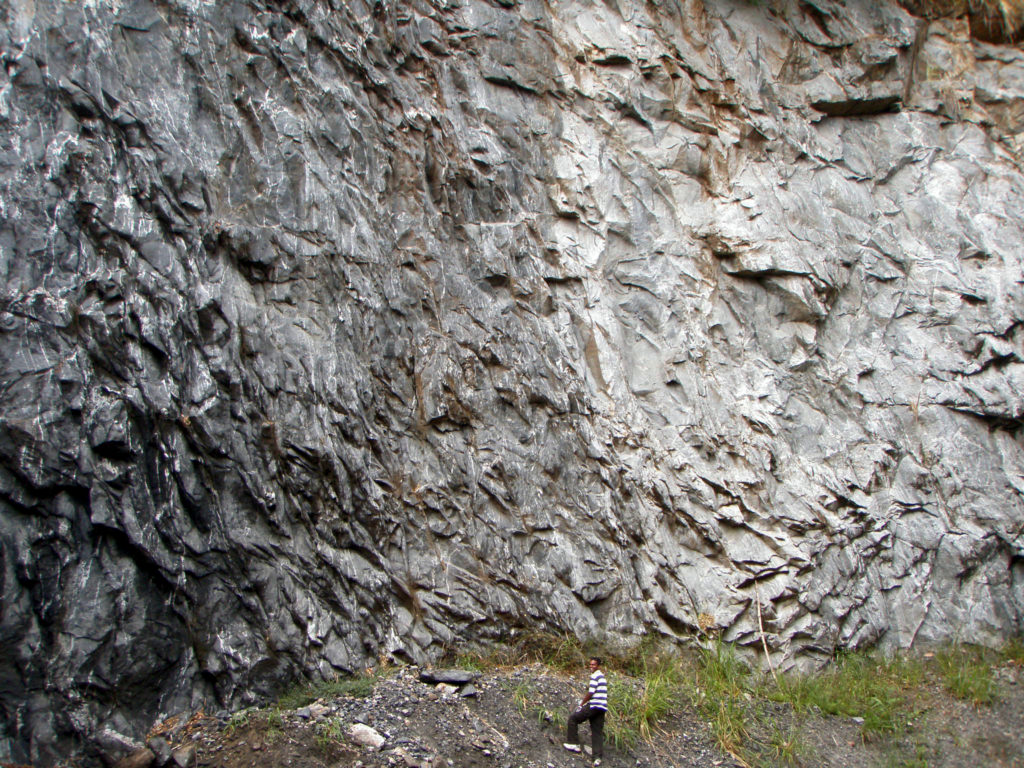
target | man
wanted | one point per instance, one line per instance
(593, 707)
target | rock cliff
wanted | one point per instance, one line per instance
(341, 329)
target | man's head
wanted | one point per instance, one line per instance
(594, 664)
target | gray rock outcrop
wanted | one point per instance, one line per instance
(338, 330)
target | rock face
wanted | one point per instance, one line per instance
(334, 330)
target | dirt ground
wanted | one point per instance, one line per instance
(515, 719)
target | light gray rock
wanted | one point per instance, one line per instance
(184, 756)
(161, 749)
(364, 329)
(366, 736)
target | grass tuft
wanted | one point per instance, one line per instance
(269, 721)
(859, 685)
(524, 695)
(643, 689)
(561, 652)
(786, 748)
(720, 688)
(328, 733)
(1013, 652)
(967, 674)
(919, 760)
(358, 686)
(275, 724)
(239, 720)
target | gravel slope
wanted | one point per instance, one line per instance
(515, 719)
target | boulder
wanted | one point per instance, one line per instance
(455, 677)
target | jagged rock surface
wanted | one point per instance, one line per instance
(337, 329)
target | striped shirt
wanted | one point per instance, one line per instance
(598, 691)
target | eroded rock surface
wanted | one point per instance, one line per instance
(333, 330)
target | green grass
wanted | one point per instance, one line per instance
(648, 689)
(732, 698)
(275, 724)
(882, 692)
(1013, 652)
(523, 695)
(471, 661)
(271, 722)
(729, 724)
(655, 681)
(919, 760)
(559, 720)
(722, 672)
(644, 687)
(720, 688)
(328, 733)
(786, 748)
(239, 720)
(967, 674)
(358, 686)
(561, 652)
(860, 685)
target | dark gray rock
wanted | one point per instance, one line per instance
(115, 748)
(161, 749)
(448, 676)
(334, 332)
(142, 758)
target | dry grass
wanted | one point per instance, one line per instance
(994, 21)
(998, 21)
(563, 652)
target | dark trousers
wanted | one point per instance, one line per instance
(596, 718)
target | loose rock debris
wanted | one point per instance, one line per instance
(516, 719)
